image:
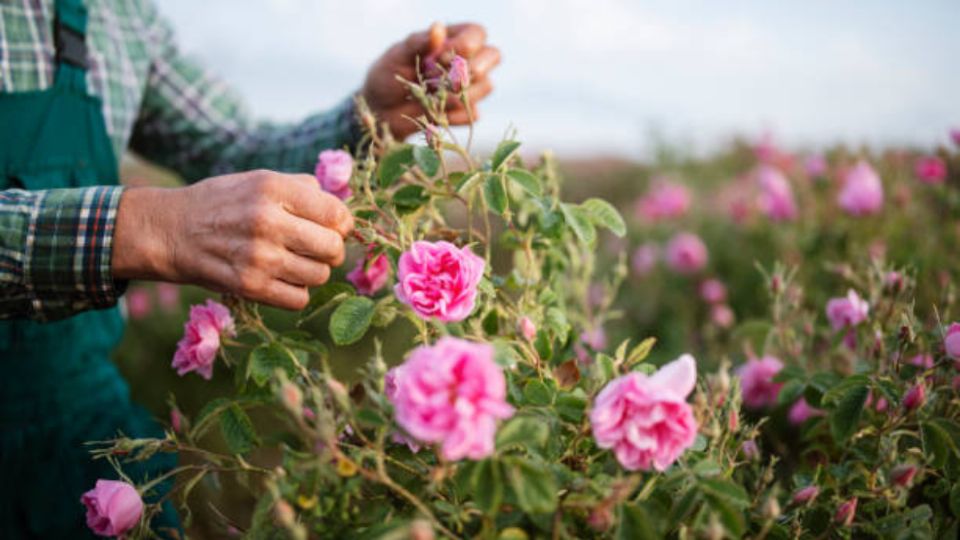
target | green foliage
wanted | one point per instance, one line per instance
(351, 320)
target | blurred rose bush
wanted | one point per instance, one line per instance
(529, 403)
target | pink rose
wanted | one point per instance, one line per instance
(647, 420)
(527, 329)
(931, 170)
(766, 149)
(713, 291)
(439, 280)
(805, 495)
(595, 337)
(645, 259)
(459, 73)
(776, 196)
(801, 411)
(915, 397)
(722, 315)
(369, 276)
(197, 349)
(113, 507)
(756, 381)
(924, 361)
(168, 295)
(665, 200)
(815, 165)
(686, 253)
(955, 136)
(333, 172)
(138, 303)
(951, 342)
(451, 393)
(847, 312)
(862, 191)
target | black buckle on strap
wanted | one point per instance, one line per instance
(71, 45)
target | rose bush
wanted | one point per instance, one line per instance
(525, 399)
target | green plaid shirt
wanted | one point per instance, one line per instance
(156, 102)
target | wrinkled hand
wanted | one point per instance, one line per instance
(389, 99)
(263, 235)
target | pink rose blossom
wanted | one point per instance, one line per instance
(647, 420)
(955, 136)
(722, 315)
(801, 411)
(713, 291)
(645, 259)
(848, 311)
(846, 512)
(805, 495)
(686, 253)
(451, 393)
(138, 303)
(756, 381)
(439, 280)
(915, 397)
(815, 166)
(894, 280)
(924, 361)
(333, 172)
(862, 191)
(776, 196)
(595, 337)
(951, 342)
(113, 507)
(665, 200)
(750, 449)
(369, 276)
(197, 350)
(930, 170)
(527, 329)
(766, 149)
(168, 295)
(459, 73)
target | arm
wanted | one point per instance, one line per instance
(55, 252)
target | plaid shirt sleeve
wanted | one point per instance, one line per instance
(192, 123)
(55, 248)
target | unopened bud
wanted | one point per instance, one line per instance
(421, 530)
(915, 397)
(750, 450)
(292, 398)
(846, 512)
(527, 329)
(284, 514)
(176, 420)
(715, 530)
(600, 518)
(805, 495)
(771, 508)
(902, 475)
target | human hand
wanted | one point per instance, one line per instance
(263, 235)
(390, 100)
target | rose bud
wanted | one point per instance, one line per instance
(750, 449)
(805, 495)
(527, 329)
(284, 513)
(846, 512)
(113, 507)
(421, 529)
(951, 342)
(902, 475)
(915, 397)
(292, 397)
(176, 420)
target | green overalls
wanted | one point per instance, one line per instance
(58, 386)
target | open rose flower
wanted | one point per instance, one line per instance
(686, 253)
(951, 342)
(451, 393)
(713, 291)
(815, 166)
(197, 349)
(862, 192)
(644, 259)
(756, 381)
(333, 171)
(113, 507)
(370, 274)
(776, 196)
(665, 200)
(930, 170)
(848, 311)
(647, 420)
(439, 280)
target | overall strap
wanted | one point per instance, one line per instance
(70, 39)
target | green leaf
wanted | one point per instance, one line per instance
(487, 484)
(603, 214)
(955, 500)
(351, 320)
(523, 431)
(410, 198)
(578, 220)
(571, 406)
(535, 392)
(502, 153)
(325, 296)
(526, 180)
(834, 394)
(237, 430)
(641, 351)
(636, 524)
(266, 359)
(534, 486)
(936, 443)
(726, 490)
(846, 415)
(426, 159)
(494, 193)
(730, 516)
(394, 164)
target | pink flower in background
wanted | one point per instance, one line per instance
(645, 258)
(815, 166)
(369, 276)
(168, 295)
(862, 191)
(713, 291)
(527, 329)
(451, 393)
(595, 337)
(665, 200)
(113, 507)
(138, 302)
(176, 420)
(955, 136)
(951, 341)
(776, 196)
(805, 495)
(439, 280)
(894, 280)
(686, 253)
(722, 315)
(848, 311)
(924, 361)
(765, 149)
(915, 397)
(197, 350)
(334, 169)
(756, 381)
(750, 449)
(846, 512)
(459, 73)
(647, 420)
(931, 170)
(801, 411)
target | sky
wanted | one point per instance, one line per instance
(614, 77)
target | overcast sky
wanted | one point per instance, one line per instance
(599, 76)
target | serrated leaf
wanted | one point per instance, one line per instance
(394, 164)
(727, 490)
(846, 414)
(526, 180)
(325, 296)
(494, 193)
(533, 485)
(535, 392)
(636, 524)
(486, 482)
(834, 394)
(503, 152)
(409, 199)
(265, 360)
(426, 159)
(603, 214)
(641, 351)
(571, 406)
(524, 431)
(237, 430)
(576, 218)
(351, 320)
(936, 443)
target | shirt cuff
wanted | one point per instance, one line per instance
(68, 249)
